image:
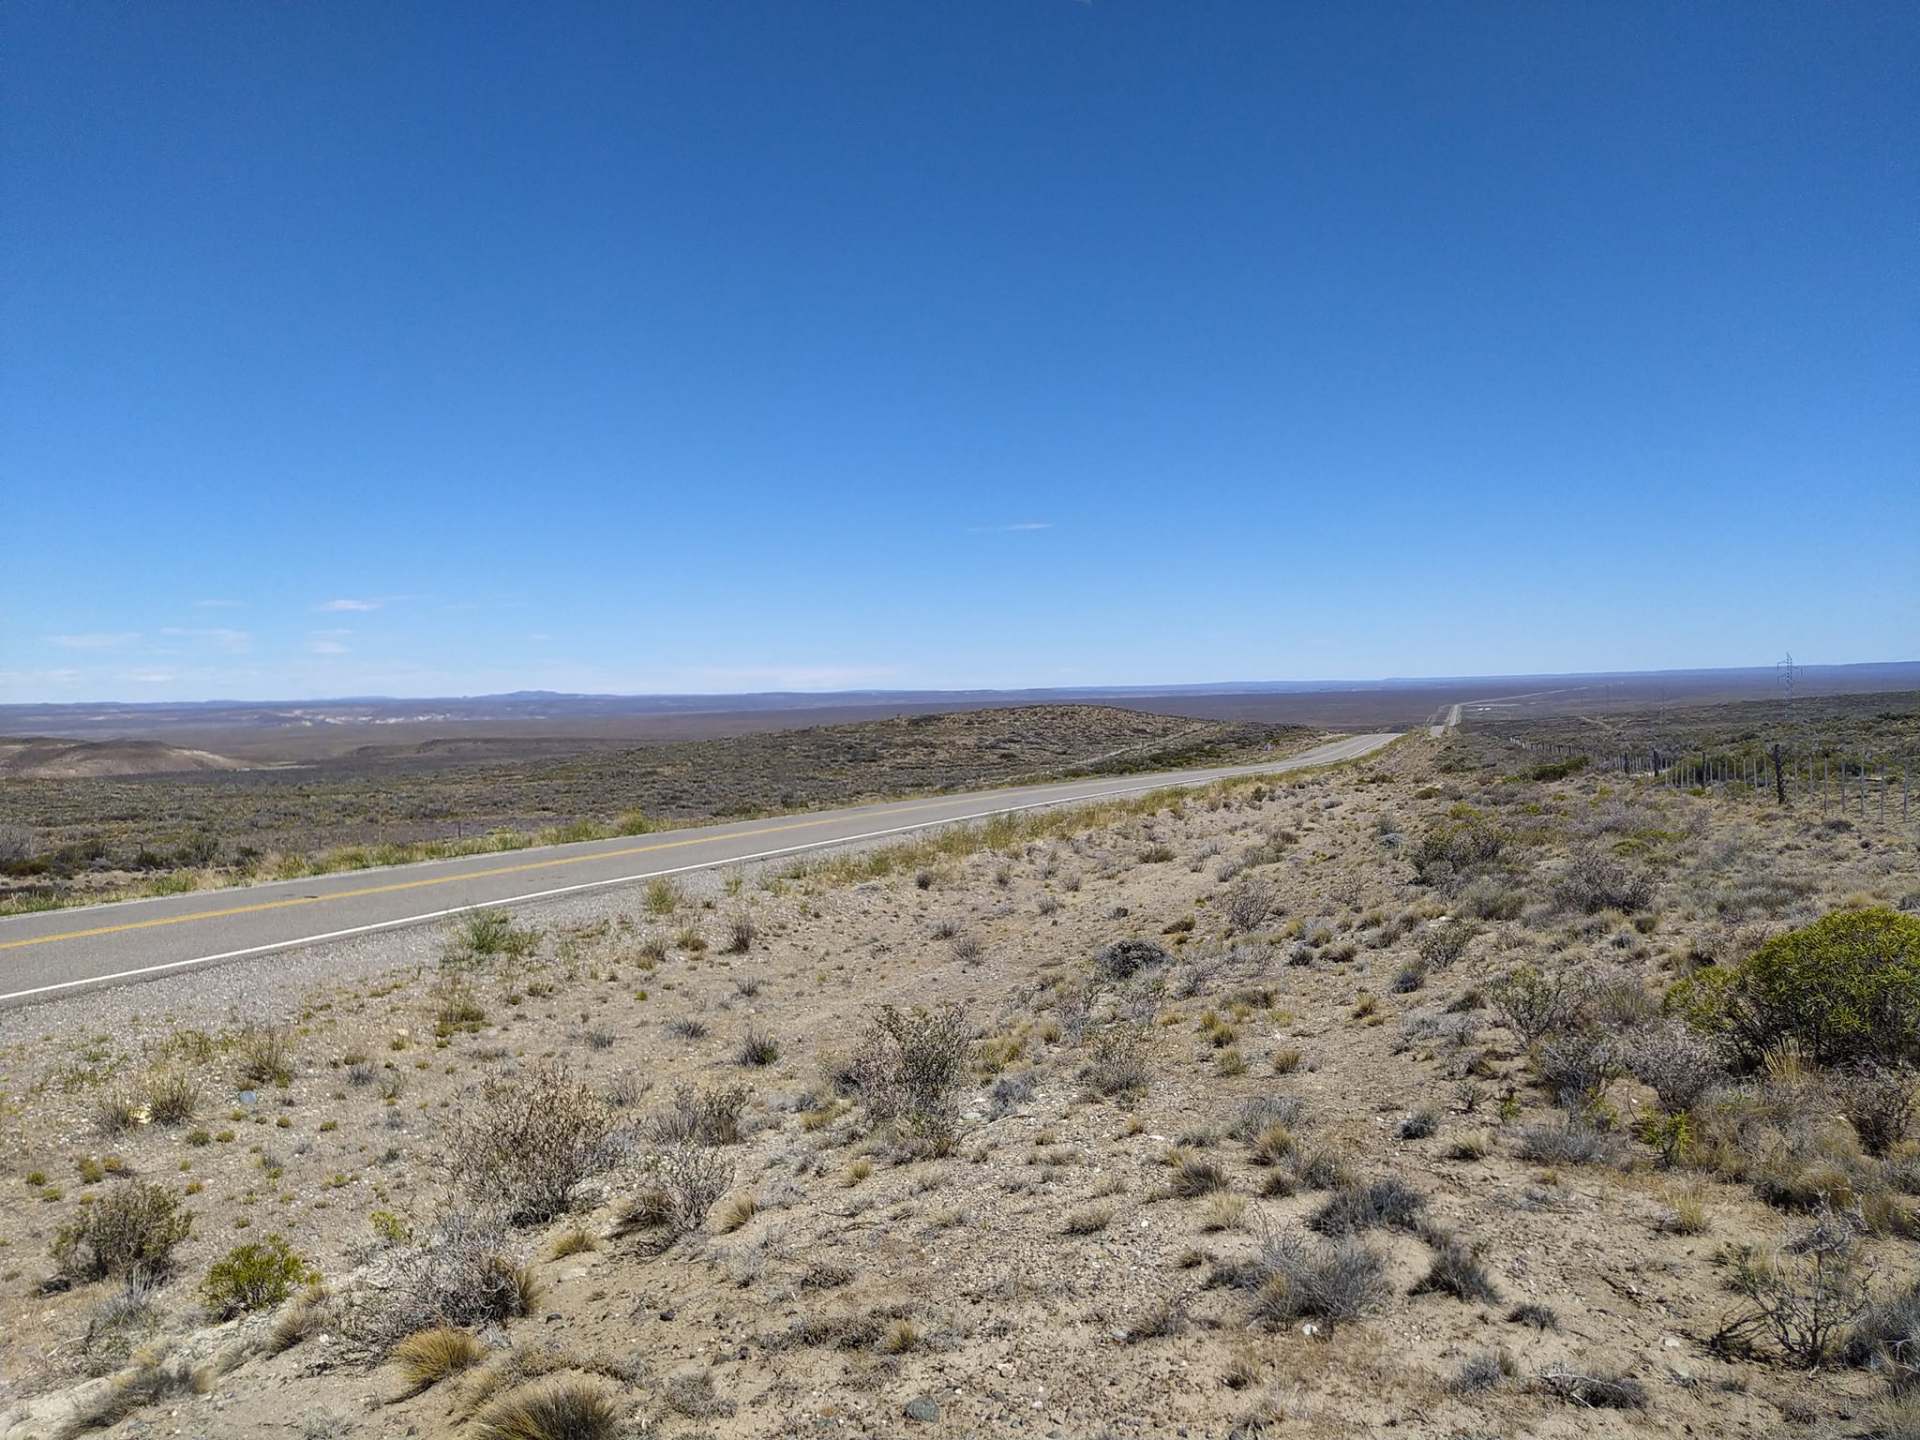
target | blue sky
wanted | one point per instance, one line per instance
(417, 349)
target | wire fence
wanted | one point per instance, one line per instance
(1871, 788)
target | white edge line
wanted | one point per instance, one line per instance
(644, 875)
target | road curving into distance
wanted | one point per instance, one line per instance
(61, 952)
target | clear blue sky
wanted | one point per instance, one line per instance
(719, 345)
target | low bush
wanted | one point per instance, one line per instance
(134, 1226)
(1593, 880)
(1125, 958)
(909, 1070)
(463, 1273)
(529, 1140)
(1292, 1278)
(1846, 987)
(254, 1276)
(1566, 1142)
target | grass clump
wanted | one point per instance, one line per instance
(429, 1356)
(563, 1408)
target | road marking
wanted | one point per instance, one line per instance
(1293, 762)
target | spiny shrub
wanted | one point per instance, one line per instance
(909, 1070)
(1456, 1271)
(254, 1276)
(1594, 880)
(1387, 1203)
(1292, 1278)
(462, 1273)
(1118, 1064)
(529, 1140)
(701, 1117)
(1677, 1062)
(1846, 987)
(1535, 1002)
(1123, 959)
(134, 1226)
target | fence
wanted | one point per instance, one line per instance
(1867, 787)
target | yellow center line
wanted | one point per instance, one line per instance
(397, 885)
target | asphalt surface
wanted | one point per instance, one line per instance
(63, 952)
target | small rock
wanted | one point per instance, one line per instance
(922, 1409)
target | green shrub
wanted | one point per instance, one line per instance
(254, 1276)
(1847, 987)
(134, 1226)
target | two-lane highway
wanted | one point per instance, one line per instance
(60, 951)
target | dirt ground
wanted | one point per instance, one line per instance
(1076, 1265)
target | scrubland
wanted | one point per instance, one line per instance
(1410, 1096)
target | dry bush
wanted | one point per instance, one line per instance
(173, 1097)
(1578, 1066)
(701, 1117)
(154, 1376)
(1567, 1141)
(1593, 880)
(1445, 941)
(1118, 1064)
(134, 1226)
(529, 1140)
(1292, 1278)
(1600, 1390)
(909, 1069)
(464, 1273)
(1679, 1064)
(1387, 1203)
(265, 1056)
(1534, 1002)
(1123, 959)
(1878, 1102)
(684, 1182)
(1249, 903)
(1805, 1297)
(1456, 1270)
(758, 1049)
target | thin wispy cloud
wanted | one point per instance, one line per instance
(1016, 528)
(328, 642)
(216, 604)
(234, 642)
(337, 607)
(96, 640)
(152, 677)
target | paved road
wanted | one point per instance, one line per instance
(60, 951)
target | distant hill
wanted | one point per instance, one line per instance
(41, 758)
